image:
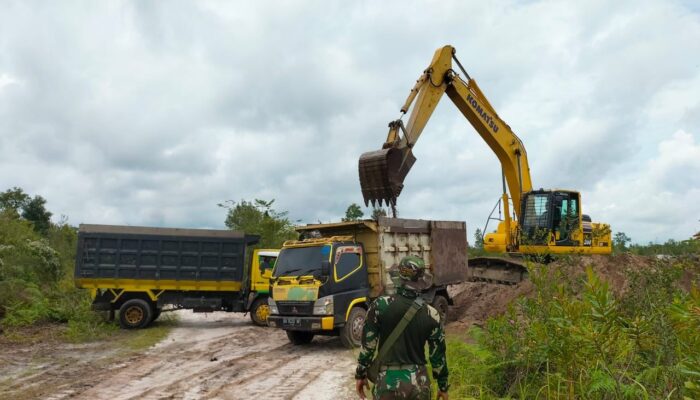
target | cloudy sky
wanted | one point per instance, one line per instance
(147, 113)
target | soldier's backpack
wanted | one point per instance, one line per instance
(373, 370)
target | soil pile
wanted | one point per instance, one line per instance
(475, 302)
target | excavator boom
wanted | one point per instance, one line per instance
(382, 172)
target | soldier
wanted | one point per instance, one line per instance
(403, 374)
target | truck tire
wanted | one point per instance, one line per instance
(259, 311)
(351, 333)
(299, 337)
(440, 303)
(134, 314)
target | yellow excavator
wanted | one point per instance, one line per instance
(544, 221)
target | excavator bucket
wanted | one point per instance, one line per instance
(382, 173)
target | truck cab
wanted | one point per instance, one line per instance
(261, 265)
(320, 286)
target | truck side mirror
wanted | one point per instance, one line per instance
(325, 268)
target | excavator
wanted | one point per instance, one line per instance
(545, 222)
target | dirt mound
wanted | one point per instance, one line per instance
(613, 269)
(475, 302)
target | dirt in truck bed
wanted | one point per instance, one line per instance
(205, 356)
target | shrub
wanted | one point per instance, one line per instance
(566, 342)
(36, 279)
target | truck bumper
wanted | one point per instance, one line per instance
(295, 323)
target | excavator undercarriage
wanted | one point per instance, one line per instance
(507, 271)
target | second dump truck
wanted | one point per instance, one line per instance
(323, 283)
(138, 270)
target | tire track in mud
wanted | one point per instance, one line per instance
(226, 358)
(294, 368)
(49, 370)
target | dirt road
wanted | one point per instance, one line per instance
(214, 356)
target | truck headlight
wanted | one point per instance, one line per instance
(273, 306)
(324, 306)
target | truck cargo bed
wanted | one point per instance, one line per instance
(109, 252)
(442, 244)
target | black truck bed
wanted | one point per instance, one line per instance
(144, 253)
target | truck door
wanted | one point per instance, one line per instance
(349, 276)
(261, 269)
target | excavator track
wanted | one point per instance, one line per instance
(506, 271)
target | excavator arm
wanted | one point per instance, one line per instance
(382, 172)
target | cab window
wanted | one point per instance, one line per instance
(267, 263)
(536, 207)
(566, 218)
(347, 260)
(568, 207)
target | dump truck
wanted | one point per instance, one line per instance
(323, 283)
(137, 271)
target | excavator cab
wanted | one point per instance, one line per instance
(551, 218)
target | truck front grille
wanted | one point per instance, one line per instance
(295, 307)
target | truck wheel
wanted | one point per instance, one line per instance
(299, 337)
(351, 333)
(440, 303)
(259, 311)
(135, 313)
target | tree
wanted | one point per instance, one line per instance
(353, 213)
(15, 203)
(259, 218)
(378, 212)
(36, 213)
(620, 241)
(13, 200)
(478, 239)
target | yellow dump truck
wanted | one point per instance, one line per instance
(139, 270)
(323, 283)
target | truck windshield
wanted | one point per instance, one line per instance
(301, 260)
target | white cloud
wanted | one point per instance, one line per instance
(142, 113)
(658, 199)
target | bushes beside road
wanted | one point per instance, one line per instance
(36, 278)
(584, 336)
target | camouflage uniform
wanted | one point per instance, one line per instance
(404, 375)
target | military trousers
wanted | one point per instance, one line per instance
(402, 382)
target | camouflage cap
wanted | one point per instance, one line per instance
(413, 275)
